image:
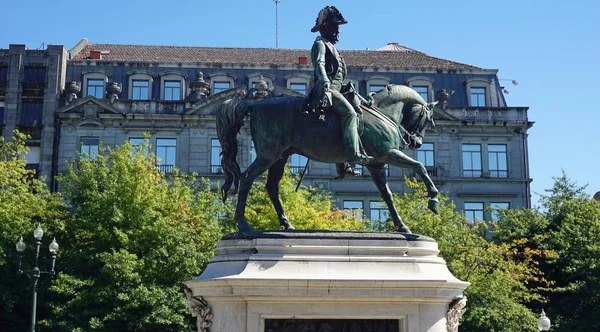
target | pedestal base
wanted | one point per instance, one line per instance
(273, 280)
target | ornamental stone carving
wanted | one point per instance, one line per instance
(113, 89)
(199, 309)
(73, 89)
(199, 89)
(455, 311)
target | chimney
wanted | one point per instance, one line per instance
(97, 55)
(303, 60)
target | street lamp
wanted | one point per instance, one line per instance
(543, 322)
(38, 233)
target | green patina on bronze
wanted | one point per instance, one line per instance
(333, 125)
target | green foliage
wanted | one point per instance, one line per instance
(307, 208)
(566, 229)
(133, 239)
(24, 202)
(498, 291)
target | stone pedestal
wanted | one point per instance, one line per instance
(326, 281)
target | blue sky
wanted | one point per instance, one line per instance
(550, 47)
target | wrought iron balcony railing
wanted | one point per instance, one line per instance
(216, 169)
(498, 173)
(472, 173)
(166, 168)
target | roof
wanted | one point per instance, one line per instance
(399, 57)
(393, 46)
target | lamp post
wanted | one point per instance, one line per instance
(543, 322)
(38, 233)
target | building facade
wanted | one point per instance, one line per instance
(107, 94)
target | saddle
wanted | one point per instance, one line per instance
(317, 103)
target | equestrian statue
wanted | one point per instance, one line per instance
(334, 124)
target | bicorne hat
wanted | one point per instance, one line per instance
(329, 15)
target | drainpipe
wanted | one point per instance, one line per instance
(526, 169)
(54, 170)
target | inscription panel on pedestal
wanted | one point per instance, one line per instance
(332, 325)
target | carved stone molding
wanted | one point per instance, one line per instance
(199, 309)
(455, 311)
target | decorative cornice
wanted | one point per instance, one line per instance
(142, 72)
(170, 72)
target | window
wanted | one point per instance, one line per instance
(3, 79)
(298, 163)
(498, 206)
(497, 161)
(32, 114)
(376, 87)
(359, 169)
(215, 156)
(474, 212)
(221, 86)
(140, 90)
(255, 77)
(423, 91)
(95, 87)
(377, 83)
(33, 159)
(252, 152)
(172, 90)
(354, 208)
(1, 113)
(299, 87)
(298, 82)
(477, 96)
(135, 143)
(425, 155)
(34, 74)
(378, 212)
(471, 160)
(89, 147)
(166, 153)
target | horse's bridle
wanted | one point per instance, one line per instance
(424, 118)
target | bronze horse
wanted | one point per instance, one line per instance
(279, 130)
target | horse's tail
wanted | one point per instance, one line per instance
(230, 119)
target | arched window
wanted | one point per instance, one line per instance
(479, 92)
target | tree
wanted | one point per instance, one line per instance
(24, 202)
(308, 208)
(498, 293)
(134, 237)
(566, 226)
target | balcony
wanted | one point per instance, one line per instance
(298, 169)
(472, 173)
(166, 168)
(432, 171)
(216, 169)
(498, 173)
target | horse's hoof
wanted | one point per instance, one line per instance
(434, 205)
(287, 226)
(244, 227)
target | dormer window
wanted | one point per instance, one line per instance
(377, 83)
(140, 90)
(221, 81)
(423, 85)
(94, 83)
(140, 85)
(172, 86)
(477, 96)
(95, 87)
(299, 83)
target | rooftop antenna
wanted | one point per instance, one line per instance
(276, 23)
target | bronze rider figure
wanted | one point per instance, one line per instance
(330, 71)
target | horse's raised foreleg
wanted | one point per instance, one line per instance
(380, 180)
(398, 158)
(272, 186)
(259, 166)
